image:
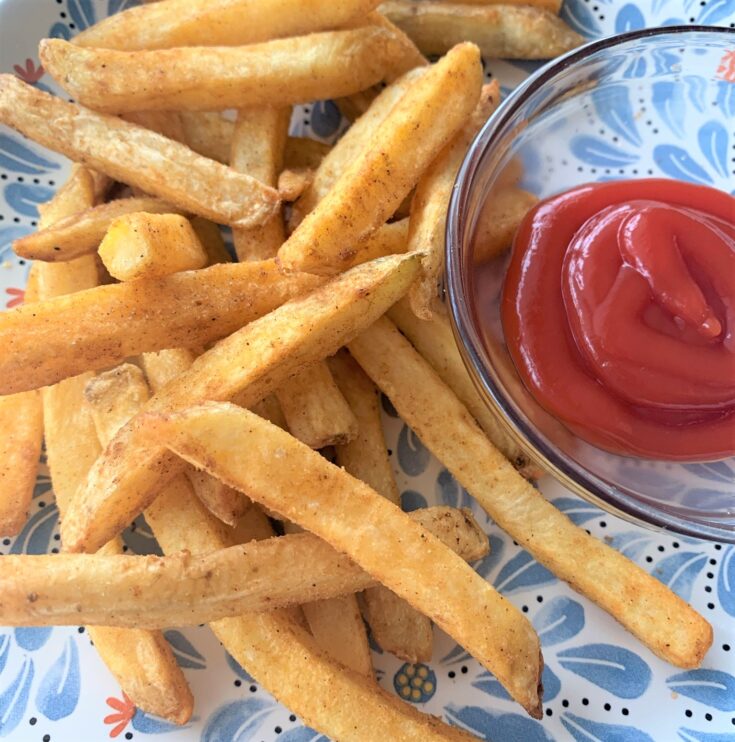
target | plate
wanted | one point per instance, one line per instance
(601, 684)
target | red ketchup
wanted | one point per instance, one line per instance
(619, 313)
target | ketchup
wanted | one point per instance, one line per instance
(619, 313)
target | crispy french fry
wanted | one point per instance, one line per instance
(510, 31)
(140, 660)
(21, 423)
(81, 234)
(151, 246)
(390, 239)
(355, 140)
(273, 646)
(157, 592)
(649, 610)
(209, 133)
(432, 110)
(218, 22)
(292, 183)
(168, 123)
(394, 624)
(302, 152)
(269, 409)
(211, 238)
(106, 324)
(553, 6)
(284, 475)
(435, 341)
(315, 410)
(248, 365)
(431, 201)
(273, 73)
(499, 220)
(136, 156)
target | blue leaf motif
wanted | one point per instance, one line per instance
(679, 571)
(629, 18)
(636, 68)
(58, 693)
(4, 650)
(552, 684)
(60, 31)
(412, 500)
(668, 100)
(711, 687)
(658, 5)
(237, 669)
(693, 735)
(489, 726)
(325, 118)
(599, 153)
(716, 11)
(696, 87)
(581, 19)
(184, 651)
(615, 669)
(116, 6)
(8, 234)
(631, 544)
(487, 564)
(677, 163)
(82, 13)
(578, 511)
(24, 198)
(585, 730)
(147, 724)
(455, 655)
(522, 572)
(614, 108)
(487, 683)
(449, 492)
(14, 699)
(139, 538)
(32, 638)
(413, 456)
(21, 158)
(35, 538)
(559, 620)
(664, 61)
(235, 721)
(712, 138)
(726, 581)
(302, 734)
(714, 471)
(726, 97)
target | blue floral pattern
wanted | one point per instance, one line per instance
(600, 683)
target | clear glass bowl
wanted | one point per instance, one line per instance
(653, 103)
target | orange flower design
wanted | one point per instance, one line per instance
(16, 297)
(726, 70)
(30, 73)
(125, 710)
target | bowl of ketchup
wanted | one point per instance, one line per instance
(591, 274)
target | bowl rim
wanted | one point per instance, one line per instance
(575, 477)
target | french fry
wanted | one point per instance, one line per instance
(137, 156)
(188, 589)
(355, 140)
(431, 201)
(499, 221)
(553, 6)
(173, 23)
(367, 193)
(287, 477)
(211, 238)
(140, 660)
(247, 366)
(107, 324)
(81, 234)
(292, 183)
(390, 239)
(273, 646)
(302, 152)
(168, 123)
(151, 246)
(394, 624)
(435, 341)
(205, 78)
(507, 31)
(208, 133)
(649, 610)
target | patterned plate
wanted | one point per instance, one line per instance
(601, 685)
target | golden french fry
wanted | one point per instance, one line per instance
(218, 22)
(355, 140)
(269, 409)
(553, 6)
(390, 239)
(145, 245)
(394, 624)
(210, 236)
(168, 123)
(499, 220)
(81, 234)
(284, 475)
(431, 201)
(506, 31)
(107, 324)
(136, 156)
(273, 73)
(140, 660)
(209, 133)
(435, 341)
(649, 610)
(367, 193)
(302, 152)
(247, 365)
(292, 183)
(315, 410)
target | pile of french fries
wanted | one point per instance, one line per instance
(168, 380)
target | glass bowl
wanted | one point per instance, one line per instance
(652, 103)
